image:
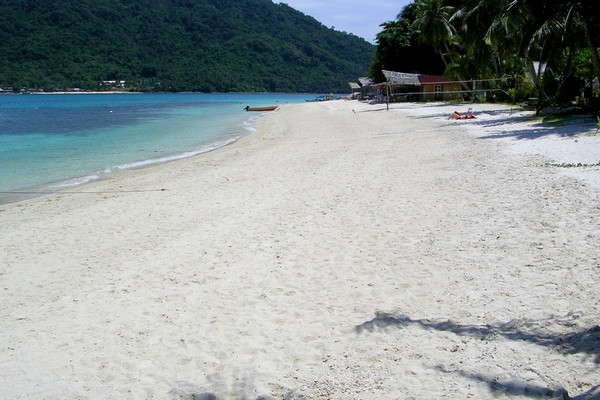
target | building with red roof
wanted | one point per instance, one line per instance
(436, 87)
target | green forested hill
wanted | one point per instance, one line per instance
(174, 45)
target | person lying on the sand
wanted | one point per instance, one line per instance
(457, 115)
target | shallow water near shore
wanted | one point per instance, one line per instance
(56, 141)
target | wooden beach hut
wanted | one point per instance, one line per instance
(402, 86)
(355, 90)
(366, 87)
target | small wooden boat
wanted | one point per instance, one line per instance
(260, 109)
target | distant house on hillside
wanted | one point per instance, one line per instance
(113, 85)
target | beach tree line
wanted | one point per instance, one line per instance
(541, 49)
(174, 45)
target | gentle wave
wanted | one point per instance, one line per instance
(69, 183)
(250, 124)
(174, 157)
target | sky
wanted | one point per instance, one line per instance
(360, 17)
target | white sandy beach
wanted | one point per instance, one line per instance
(341, 252)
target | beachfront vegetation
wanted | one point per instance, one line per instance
(174, 45)
(498, 41)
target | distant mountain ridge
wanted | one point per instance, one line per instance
(174, 45)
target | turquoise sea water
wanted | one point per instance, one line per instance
(55, 141)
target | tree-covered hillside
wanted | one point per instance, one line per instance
(174, 45)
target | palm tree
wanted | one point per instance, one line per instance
(390, 42)
(485, 48)
(433, 24)
(546, 28)
(532, 29)
(398, 48)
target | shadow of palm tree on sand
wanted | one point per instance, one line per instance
(586, 342)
